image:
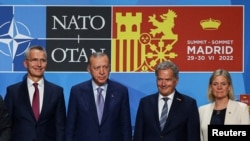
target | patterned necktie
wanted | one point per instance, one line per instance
(164, 113)
(100, 104)
(35, 102)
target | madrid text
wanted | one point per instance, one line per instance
(219, 50)
(203, 52)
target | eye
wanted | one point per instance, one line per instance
(97, 68)
(35, 60)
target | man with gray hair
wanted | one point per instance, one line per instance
(167, 115)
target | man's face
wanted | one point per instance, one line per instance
(99, 68)
(36, 64)
(166, 81)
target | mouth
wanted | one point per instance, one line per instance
(102, 78)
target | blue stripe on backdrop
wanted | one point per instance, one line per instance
(117, 2)
(246, 74)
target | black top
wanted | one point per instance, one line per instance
(218, 117)
(5, 123)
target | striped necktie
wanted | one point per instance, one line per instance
(164, 113)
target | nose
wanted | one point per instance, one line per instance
(219, 86)
(101, 70)
(163, 83)
(39, 62)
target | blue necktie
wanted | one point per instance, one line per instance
(164, 113)
(100, 104)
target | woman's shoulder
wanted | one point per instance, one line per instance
(205, 106)
(238, 103)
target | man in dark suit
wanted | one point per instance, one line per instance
(83, 122)
(180, 118)
(47, 121)
(5, 124)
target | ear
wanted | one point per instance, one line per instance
(25, 63)
(176, 80)
(88, 68)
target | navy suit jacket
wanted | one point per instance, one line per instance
(82, 119)
(182, 123)
(51, 123)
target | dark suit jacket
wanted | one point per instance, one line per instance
(51, 123)
(182, 123)
(82, 119)
(5, 124)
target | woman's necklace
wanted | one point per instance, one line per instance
(219, 108)
(218, 112)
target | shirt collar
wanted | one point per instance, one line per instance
(96, 86)
(30, 82)
(170, 97)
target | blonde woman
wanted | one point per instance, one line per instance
(222, 109)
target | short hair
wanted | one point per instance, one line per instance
(168, 65)
(225, 74)
(97, 54)
(27, 51)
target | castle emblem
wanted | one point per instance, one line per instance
(133, 51)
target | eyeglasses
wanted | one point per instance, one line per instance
(37, 60)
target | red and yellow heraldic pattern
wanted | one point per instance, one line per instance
(196, 38)
(245, 98)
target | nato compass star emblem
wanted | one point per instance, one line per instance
(14, 40)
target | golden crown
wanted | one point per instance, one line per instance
(210, 24)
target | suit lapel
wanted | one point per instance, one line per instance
(88, 100)
(46, 99)
(90, 103)
(25, 98)
(230, 112)
(155, 111)
(177, 99)
(110, 96)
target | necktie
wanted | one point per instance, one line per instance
(100, 104)
(35, 102)
(164, 113)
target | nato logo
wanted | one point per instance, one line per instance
(68, 35)
(19, 30)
